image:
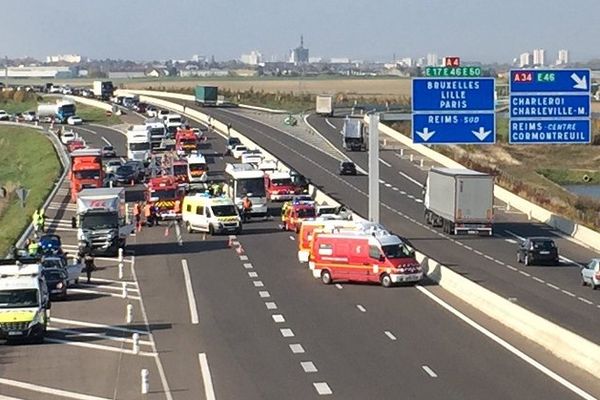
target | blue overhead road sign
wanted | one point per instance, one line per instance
(550, 106)
(453, 110)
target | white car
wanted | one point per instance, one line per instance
(590, 274)
(238, 150)
(30, 116)
(4, 116)
(74, 120)
(252, 157)
(111, 166)
(162, 114)
(68, 136)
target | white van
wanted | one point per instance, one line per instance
(204, 213)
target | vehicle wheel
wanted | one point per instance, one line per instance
(527, 262)
(594, 286)
(326, 277)
(188, 227)
(386, 281)
(428, 217)
(583, 282)
(77, 281)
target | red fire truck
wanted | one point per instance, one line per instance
(165, 194)
(86, 171)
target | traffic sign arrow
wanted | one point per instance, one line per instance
(481, 133)
(426, 135)
(580, 83)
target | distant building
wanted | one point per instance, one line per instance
(432, 60)
(67, 58)
(253, 58)
(315, 60)
(563, 57)
(406, 62)
(524, 60)
(198, 58)
(299, 55)
(126, 74)
(37, 72)
(339, 60)
(539, 56)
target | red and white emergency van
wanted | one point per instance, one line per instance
(358, 256)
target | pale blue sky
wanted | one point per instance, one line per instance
(482, 30)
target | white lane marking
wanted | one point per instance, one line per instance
(416, 182)
(292, 238)
(297, 348)
(479, 253)
(520, 238)
(429, 371)
(337, 285)
(190, 292)
(468, 247)
(382, 181)
(330, 124)
(271, 305)
(209, 390)
(524, 273)
(418, 200)
(278, 318)
(567, 293)
(243, 258)
(258, 283)
(568, 260)
(410, 196)
(97, 335)
(389, 185)
(402, 192)
(552, 286)
(103, 293)
(361, 308)
(286, 332)
(2, 397)
(500, 262)
(395, 188)
(55, 320)
(511, 267)
(511, 241)
(535, 278)
(114, 281)
(264, 294)
(178, 234)
(580, 392)
(488, 257)
(248, 266)
(252, 274)
(49, 390)
(585, 300)
(390, 335)
(322, 388)
(98, 347)
(308, 366)
(387, 164)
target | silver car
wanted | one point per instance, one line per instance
(590, 274)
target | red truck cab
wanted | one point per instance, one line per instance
(86, 171)
(378, 257)
(279, 186)
(186, 141)
(295, 213)
(165, 194)
(180, 171)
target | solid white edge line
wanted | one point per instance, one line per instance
(49, 390)
(329, 123)
(190, 292)
(553, 375)
(387, 164)
(416, 182)
(209, 390)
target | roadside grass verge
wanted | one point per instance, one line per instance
(27, 159)
(95, 115)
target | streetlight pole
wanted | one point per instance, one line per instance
(374, 167)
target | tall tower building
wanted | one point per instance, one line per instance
(539, 56)
(524, 60)
(563, 57)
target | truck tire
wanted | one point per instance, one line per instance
(326, 277)
(427, 216)
(385, 280)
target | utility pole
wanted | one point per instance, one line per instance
(5, 71)
(374, 167)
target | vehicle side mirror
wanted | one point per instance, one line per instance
(73, 222)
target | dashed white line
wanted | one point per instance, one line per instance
(511, 267)
(552, 286)
(286, 332)
(402, 192)
(389, 185)
(567, 293)
(387, 164)
(500, 262)
(479, 253)
(322, 388)
(535, 278)
(264, 294)
(410, 196)
(585, 300)
(488, 257)
(190, 292)
(297, 348)
(248, 266)
(308, 366)
(209, 390)
(278, 318)
(390, 335)
(361, 308)
(395, 188)
(524, 273)
(292, 237)
(243, 257)
(382, 181)
(468, 247)
(337, 285)
(416, 182)
(429, 371)
(512, 241)
(252, 274)
(271, 305)
(418, 200)
(258, 283)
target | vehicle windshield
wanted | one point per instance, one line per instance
(53, 275)
(188, 141)
(165, 194)
(91, 174)
(175, 120)
(306, 213)
(282, 182)
(52, 263)
(108, 148)
(157, 132)
(180, 170)
(543, 245)
(234, 142)
(254, 187)
(398, 251)
(18, 298)
(68, 109)
(99, 221)
(125, 170)
(197, 167)
(139, 146)
(224, 211)
(299, 180)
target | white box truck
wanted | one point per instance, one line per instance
(353, 138)
(459, 201)
(324, 105)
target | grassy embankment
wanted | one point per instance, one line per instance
(95, 115)
(27, 159)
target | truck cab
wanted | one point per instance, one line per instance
(173, 122)
(64, 110)
(24, 300)
(294, 214)
(166, 195)
(138, 143)
(186, 141)
(279, 186)
(86, 171)
(180, 172)
(197, 168)
(157, 130)
(377, 256)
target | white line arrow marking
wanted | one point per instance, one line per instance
(481, 133)
(426, 135)
(580, 83)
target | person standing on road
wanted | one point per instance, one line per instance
(148, 214)
(137, 214)
(246, 208)
(33, 247)
(41, 219)
(89, 266)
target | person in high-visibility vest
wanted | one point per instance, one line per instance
(33, 248)
(148, 214)
(41, 219)
(35, 219)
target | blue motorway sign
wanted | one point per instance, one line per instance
(550, 106)
(453, 110)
